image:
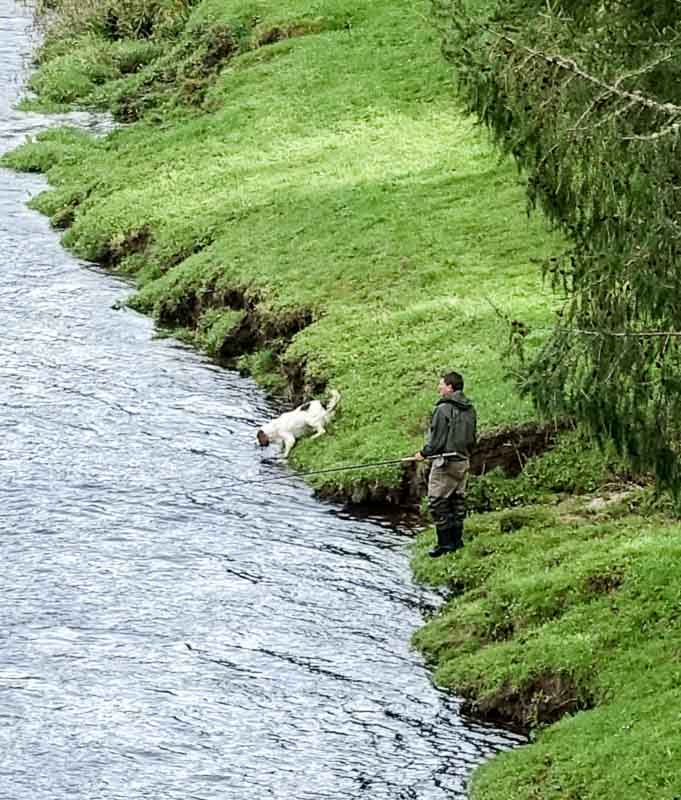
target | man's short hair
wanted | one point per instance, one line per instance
(453, 379)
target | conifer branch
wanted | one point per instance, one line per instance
(609, 89)
(619, 334)
(650, 137)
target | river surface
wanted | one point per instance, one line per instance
(166, 631)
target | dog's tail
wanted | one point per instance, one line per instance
(333, 402)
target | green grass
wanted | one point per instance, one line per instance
(331, 172)
(575, 607)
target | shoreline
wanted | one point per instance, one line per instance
(355, 244)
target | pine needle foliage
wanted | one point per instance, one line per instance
(587, 98)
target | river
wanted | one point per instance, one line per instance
(167, 631)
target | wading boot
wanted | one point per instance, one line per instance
(456, 541)
(440, 549)
(447, 541)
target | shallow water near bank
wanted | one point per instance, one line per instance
(163, 636)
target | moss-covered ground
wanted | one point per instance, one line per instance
(311, 156)
(294, 182)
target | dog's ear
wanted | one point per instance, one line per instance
(263, 438)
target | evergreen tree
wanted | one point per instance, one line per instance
(587, 98)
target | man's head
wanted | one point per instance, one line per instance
(263, 438)
(450, 382)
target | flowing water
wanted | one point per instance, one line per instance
(166, 632)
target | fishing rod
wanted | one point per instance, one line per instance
(347, 467)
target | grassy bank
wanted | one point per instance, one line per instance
(567, 612)
(297, 187)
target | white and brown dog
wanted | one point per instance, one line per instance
(289, 427)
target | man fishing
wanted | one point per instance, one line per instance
(452, 431)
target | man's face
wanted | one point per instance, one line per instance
(444, 389)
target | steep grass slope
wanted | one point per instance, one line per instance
(298, 184)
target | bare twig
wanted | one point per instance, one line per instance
(616, 334)
(501, 314)
(674, 128)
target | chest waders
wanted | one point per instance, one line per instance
(447, 504)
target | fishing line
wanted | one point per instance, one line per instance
(407, 460)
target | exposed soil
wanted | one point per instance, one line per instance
(64, 217)
(259, 329)
(510, 448)
(544, 700)
(220, 47)
(279, 33)
(506, 448)
(301, 384)
(135, 241)
(604, 584)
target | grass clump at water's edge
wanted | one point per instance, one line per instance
(573, 614)
(320, 168)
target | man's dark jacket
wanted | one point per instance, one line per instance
(452, 427)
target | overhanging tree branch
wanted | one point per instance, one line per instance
(609, 89)
(599, 134)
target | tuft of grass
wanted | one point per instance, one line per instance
(111, 20)
(214, 326)
(263, 366)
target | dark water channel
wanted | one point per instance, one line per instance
(162, 636)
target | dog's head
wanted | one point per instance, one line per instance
(263, 438)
